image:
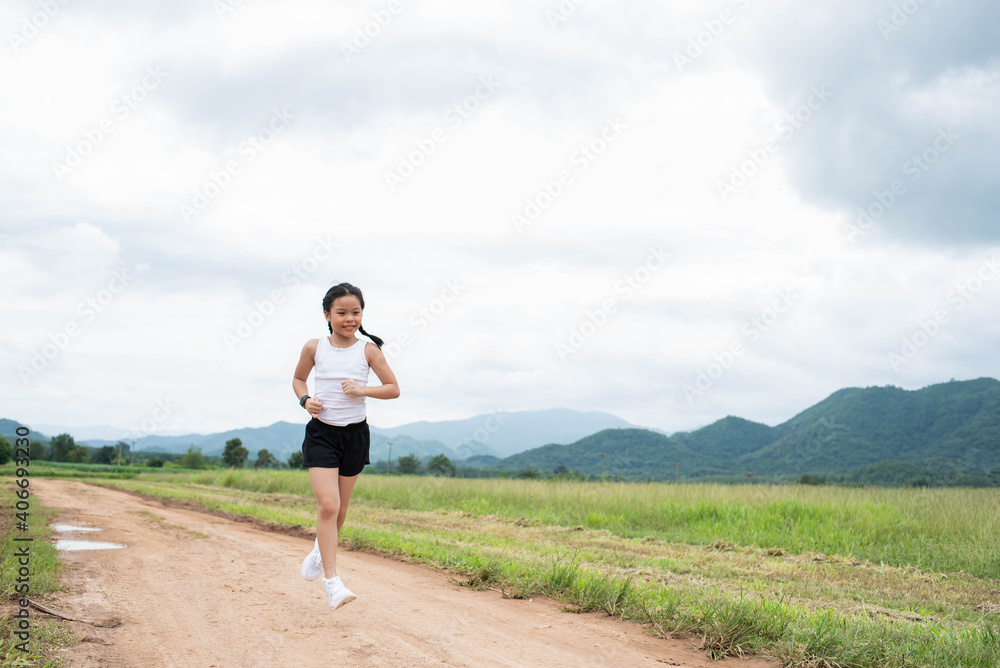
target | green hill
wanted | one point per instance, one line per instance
(944, 432)
(8, 429)
(947, 433)
(629, 453)
(854, 427)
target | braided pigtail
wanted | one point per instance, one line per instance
(377, 341)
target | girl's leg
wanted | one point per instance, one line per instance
(346, 487)
(327, 490)
(333, 493)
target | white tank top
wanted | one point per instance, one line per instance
(331, 367)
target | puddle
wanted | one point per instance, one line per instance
(86, 545)
(62, 544)
(70, 527)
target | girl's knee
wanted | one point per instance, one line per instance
(329, 508)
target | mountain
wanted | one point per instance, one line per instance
(281, 439)
(502, 433)
(875, 432)
(8, 429)
(945, 433)
(278, 438)
(854, 427)
(729, 437)
(496, 433)
(94, 432)
(629, 453)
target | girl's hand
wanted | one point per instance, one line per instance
(314, 406)
(352, 388)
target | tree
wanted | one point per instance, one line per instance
(808, 479)
(408, 464)
(193, 459)
(154, 462)
(6, 451)
(529, 473)
(37, 450)
(60, 446)
(78, 454)
(441, 465)
(235, 454)
(105, 455)
(265, 460)
(296, 460)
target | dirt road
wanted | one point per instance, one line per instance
(193, 589)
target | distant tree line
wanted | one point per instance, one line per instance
(63, 448)
(442, 465)
(937, 472)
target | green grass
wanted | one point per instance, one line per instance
(781, 571)
(945, 530)
(76, 470)
(47, 636)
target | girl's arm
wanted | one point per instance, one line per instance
(306, 361)
(389, 389)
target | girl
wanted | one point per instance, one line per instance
(336, 443)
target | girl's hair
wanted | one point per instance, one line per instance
(342, 290)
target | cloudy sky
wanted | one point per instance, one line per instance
(668, 211)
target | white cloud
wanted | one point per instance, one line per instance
(323, 176)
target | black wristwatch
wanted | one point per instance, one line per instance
(302, 400)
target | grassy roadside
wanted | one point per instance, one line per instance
(805, 607)
(942, 530)
(47, 636)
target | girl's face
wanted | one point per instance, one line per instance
(344, 315)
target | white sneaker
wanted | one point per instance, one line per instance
(312, 566)
(336, 593)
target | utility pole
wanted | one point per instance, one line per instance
(388, 463)
(677, 466)
(601, 455)
(749, 476)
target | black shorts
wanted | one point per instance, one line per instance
(327, 446)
